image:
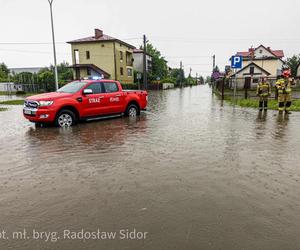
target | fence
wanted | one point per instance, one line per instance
(12, 88)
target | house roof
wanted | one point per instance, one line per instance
(138, 51)
(93, 67)
(252, 64)
(103, 38)
(277, 53)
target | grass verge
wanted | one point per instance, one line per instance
(12, 102)
(3, 109)
(253, 103)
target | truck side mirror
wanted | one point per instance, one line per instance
(87, 91)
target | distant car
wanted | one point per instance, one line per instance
(84, 100)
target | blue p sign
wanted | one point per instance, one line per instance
(236, 62)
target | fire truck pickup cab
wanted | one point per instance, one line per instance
(84, 100)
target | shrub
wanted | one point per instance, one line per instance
(168, 80)
(20, 92)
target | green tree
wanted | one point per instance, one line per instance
(178, 74)
(4, 71)
(159, 63)
(23, 78)
(293, 63)
(208, 79)
(65, 73)
(201, 80)
(46, 79)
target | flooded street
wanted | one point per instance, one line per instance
(191, 173)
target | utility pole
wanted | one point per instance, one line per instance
(214, 65)
(145, 62)
(181, 73)
(54, 50)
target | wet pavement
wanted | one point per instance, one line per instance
(189, 172)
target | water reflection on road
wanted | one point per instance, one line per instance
(193, 174)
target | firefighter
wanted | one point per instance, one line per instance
(263, 92)
(283, 86)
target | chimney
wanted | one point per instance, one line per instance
(269, 48)
(98, 33)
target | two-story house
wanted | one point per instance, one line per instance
(102, 55)
(257, 63)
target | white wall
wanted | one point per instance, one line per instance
(262, 52)
(138, 61)
(269, 65)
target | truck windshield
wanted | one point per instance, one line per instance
(71, 87)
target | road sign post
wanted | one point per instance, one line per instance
(236, 63)
(139, 77)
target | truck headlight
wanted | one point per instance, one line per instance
(45, 103)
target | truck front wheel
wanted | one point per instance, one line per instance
(65, 118)
(132, 110)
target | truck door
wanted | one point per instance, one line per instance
(93, 103)
(114, 98)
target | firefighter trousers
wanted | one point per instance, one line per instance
(263, 103)
(284, 101)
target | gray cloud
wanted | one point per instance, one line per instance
(191, 31)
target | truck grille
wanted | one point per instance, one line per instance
(31, 104)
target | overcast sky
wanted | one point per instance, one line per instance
(190, 30)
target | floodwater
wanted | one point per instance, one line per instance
(189, 172)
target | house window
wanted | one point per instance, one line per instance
(76, 56)
(251, 70)
(129, 72)
(87, 55)
(121, 71)
(121, 55)
(255, 80)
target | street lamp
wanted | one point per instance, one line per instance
(53, 41)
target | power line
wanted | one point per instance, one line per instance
(188, 56)
(33, 51)
(30, 43)
(49, 43)
(195, 64)
(218, 39)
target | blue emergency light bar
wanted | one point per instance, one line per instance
(93, 78)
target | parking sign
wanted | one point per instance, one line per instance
(236, 62)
